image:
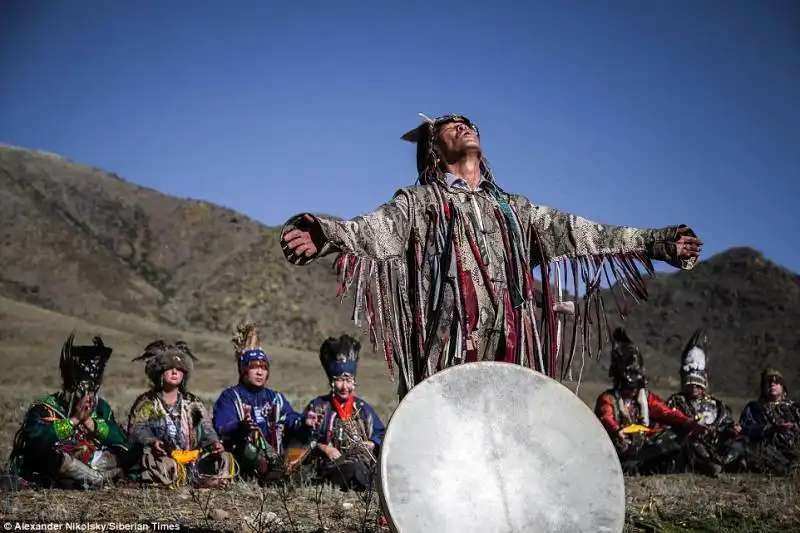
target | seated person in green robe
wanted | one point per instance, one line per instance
(70, 438)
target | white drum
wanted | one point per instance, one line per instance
(496, 447)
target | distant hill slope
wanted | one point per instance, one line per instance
(80, 240)
(85, 242)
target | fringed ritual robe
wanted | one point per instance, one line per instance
(443, 275)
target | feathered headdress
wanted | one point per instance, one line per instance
(339, 357)
(694, 360)
(428, 162)
(627, 363)
(160, 357)
(82, 367)
(247, 346)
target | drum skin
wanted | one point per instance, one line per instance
(496, 447)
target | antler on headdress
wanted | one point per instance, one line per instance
(82, 367)
(339, 357)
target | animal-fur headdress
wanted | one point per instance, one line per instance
(694, 360)
(82, 367)
(247, 346)
(428, 162)
(339, 357)
(627, 363)
(160, 357)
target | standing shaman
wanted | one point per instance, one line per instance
(445, 268)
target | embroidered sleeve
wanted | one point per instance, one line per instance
(63, 428)
(207, 434)
(661, 413)
(378, 429)
(101, 428)
(107, 429)
(379, 235)
(143, 420)
(44, 428)
(568, 236)
(226, 418)
(604, 409)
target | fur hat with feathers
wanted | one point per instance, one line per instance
(339, 357)
(694, 360)
(247, 346)
(160, 357)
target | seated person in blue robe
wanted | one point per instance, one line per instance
(253, 421)
(347, 432)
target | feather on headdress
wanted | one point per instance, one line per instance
(694, 360)
(160, 357)
(247, 346)
(82, 367)
(339, 357)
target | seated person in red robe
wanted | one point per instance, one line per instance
(648, 434)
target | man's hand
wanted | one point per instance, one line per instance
(305, 241)
(158, 449)
(330, 452)
(313, 420)
(83, 409)
(688, 247)
(89, 424)
(737, 429)
(370, 445)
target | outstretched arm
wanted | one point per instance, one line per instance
(568, 236)
(379, 235)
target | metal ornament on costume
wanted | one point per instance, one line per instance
(492, 446)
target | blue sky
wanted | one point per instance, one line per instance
(636, 113)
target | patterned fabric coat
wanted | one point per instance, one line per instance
(444, 275)
(47, 428)
(186, 426)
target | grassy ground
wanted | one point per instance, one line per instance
(30, 341)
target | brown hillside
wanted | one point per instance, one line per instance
(82, 241)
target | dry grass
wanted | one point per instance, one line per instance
(30, 340)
